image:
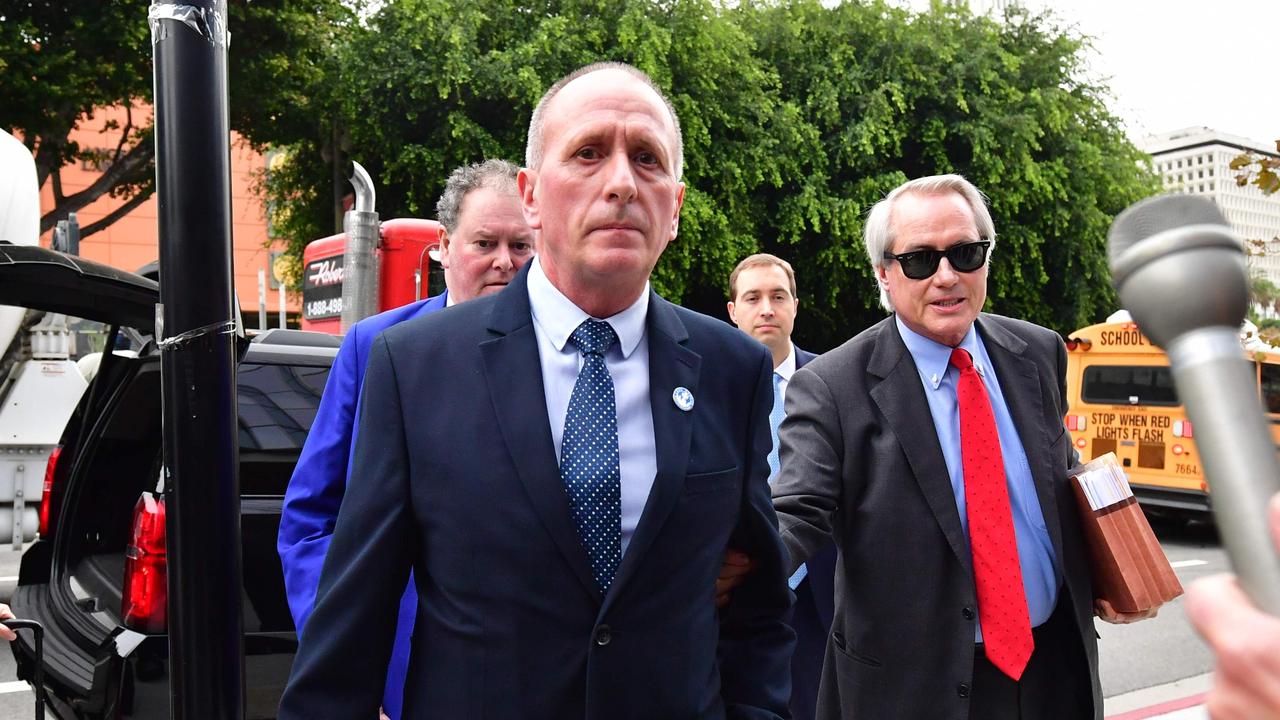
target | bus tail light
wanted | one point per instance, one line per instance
(1074, 344)
(145, 603)
(1081, 443)
(1076, 423)
(1177, 449)
(1182, 429)
(46, 496)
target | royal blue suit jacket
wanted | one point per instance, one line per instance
(811, 618)
(465, 489)
(319, 483)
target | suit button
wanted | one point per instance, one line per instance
(603, 635)
(963, 690)
(967, 613)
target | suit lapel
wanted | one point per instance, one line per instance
(1020, 384)
(513, 372)
(901, 400)
(671, 365)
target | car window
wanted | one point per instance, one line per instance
(277, 405)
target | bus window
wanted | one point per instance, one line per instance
(1271, 387)
(1129, 385)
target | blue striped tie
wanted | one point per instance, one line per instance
(589, 453)
(775, 420)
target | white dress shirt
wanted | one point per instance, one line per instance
(785, 371)
(555, 317)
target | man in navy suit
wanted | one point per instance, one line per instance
(764, 306)
(484, 241)
(566, 497)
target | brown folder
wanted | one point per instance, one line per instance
(1130, 569)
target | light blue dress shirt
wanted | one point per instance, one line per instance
(554, 319)
(1040, 567)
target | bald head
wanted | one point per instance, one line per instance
(535, 143)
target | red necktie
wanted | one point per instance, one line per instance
(1002, 601)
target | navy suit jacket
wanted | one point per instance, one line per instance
(320, 479)
(811, 618)
(460, 483)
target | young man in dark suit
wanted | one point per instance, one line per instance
(764, 305)
(562, 465)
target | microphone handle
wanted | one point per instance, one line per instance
(1220, 391)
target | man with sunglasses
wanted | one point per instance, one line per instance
(931, 448)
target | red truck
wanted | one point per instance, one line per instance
(406, 271)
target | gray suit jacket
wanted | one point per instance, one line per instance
(861, 462)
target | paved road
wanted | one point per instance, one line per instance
(1165, 649)
(16, 700)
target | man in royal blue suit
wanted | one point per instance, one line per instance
(565, 499)
(764, 306)
(484, 241)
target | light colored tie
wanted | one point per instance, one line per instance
(775, 420)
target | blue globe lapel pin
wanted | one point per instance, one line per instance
(683, 398)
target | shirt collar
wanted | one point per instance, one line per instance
(788, 366)
(559, 317)
(933, 359)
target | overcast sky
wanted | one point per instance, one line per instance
(1172, 64)
(1179, 63)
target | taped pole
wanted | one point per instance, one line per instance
(197, 331)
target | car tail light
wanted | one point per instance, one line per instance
(146, 592)
(46, 496)
(1076, 423)
(1182, 429)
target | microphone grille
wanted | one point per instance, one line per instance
(1154, 215)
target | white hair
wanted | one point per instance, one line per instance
(879, 233)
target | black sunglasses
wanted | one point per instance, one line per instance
(921, 264)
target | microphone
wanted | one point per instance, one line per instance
(1180, 271)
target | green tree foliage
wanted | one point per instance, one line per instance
(432, 85)
(896, 95)
(62, 62)
(797, 118)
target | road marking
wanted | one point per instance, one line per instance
(1179, 564)
(13, 687)
(1164, 709)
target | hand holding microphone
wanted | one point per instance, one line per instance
(1180, 271)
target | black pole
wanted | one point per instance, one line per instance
(202, 498)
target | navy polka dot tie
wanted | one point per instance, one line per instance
(589, 453)
(997, 574)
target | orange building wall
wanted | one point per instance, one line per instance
(132, 241)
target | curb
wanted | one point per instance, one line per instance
(1160, 700)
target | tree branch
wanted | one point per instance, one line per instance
(134, 162)
(116, 214)
(124, 134)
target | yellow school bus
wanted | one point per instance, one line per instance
(1121, 398)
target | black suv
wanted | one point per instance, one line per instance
(96, 577)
